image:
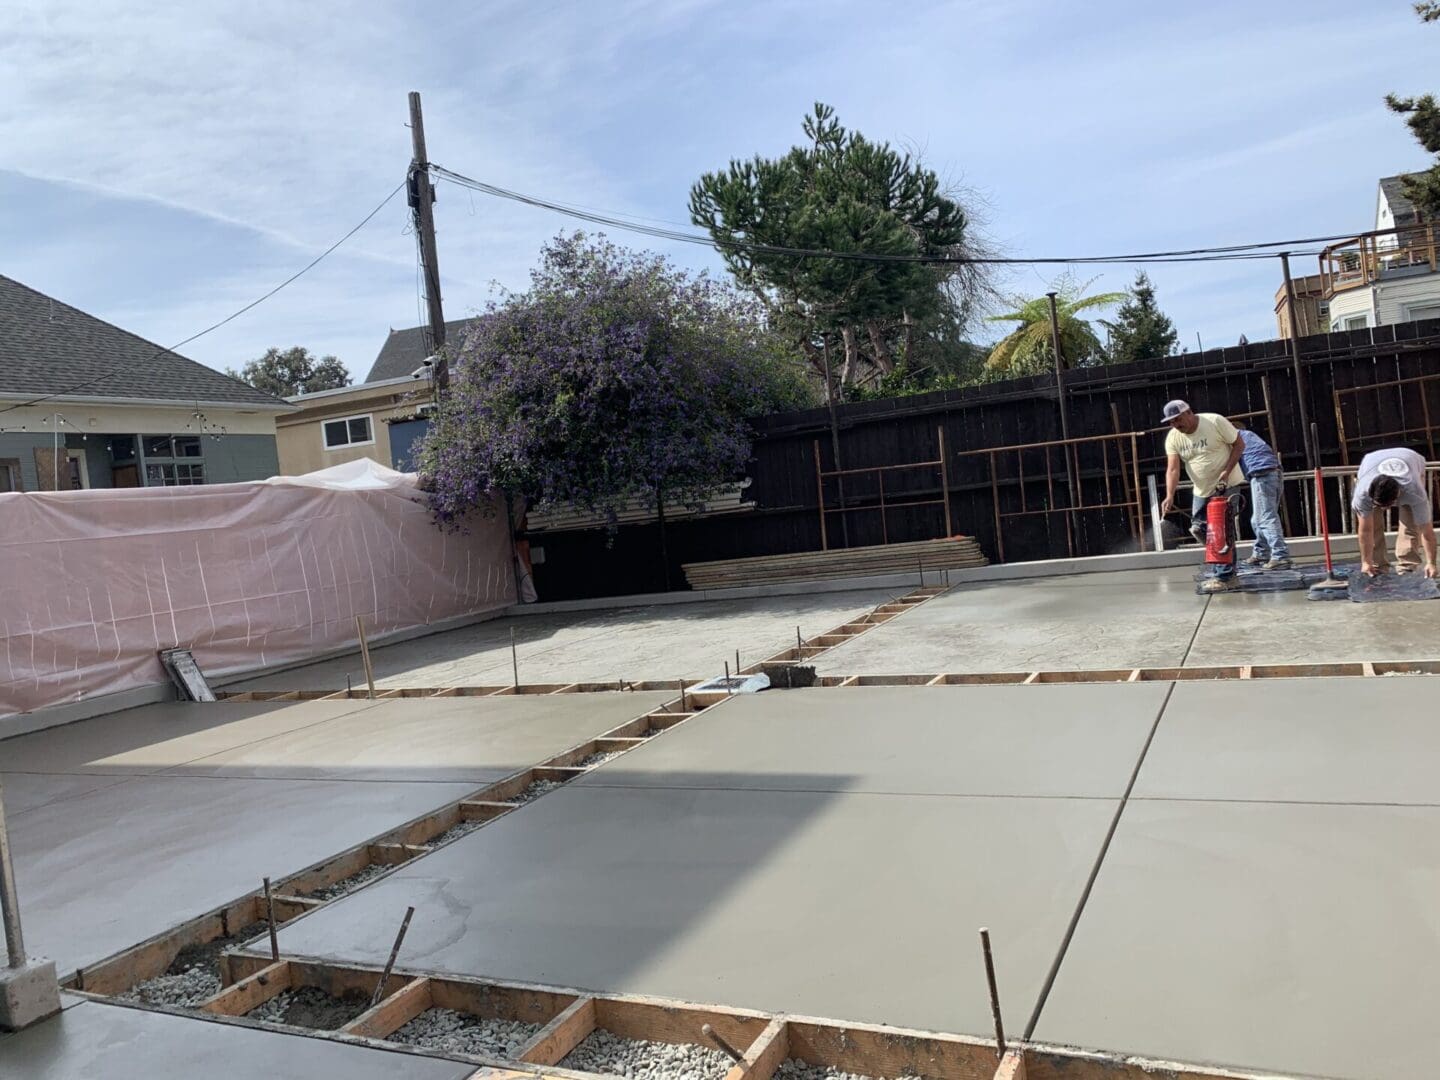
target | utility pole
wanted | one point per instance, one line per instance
(1312, 452)
(422, 200)
(1072, 480)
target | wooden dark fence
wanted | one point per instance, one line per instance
(1255, 380)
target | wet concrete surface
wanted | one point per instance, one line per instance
(1284, 937)
(666, 641)
(804, 888)
(1127, 619)
(96, 1041)
(142, 835)
(1078, 741)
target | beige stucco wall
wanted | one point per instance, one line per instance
(300, 437)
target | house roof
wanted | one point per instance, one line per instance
(405, 349)
(52, 349)
(1394, 190)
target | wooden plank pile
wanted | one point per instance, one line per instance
(950, 553)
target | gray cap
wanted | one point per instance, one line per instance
(1174, 409)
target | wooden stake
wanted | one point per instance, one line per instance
(719, 1040)
(994, 991)
(390, 964)
(365, 656)
(270, 918)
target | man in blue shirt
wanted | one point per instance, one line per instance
(1261, 466)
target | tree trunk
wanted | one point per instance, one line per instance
(852, 356)
(909, 338)
(883, 360)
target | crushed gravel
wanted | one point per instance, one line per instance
(349, 884)
(599, 758)
(800, 1070)
(311, 1007)
(446, 1029)
(535, 790)
(193, 976)
(602, 1052)
(459, 829)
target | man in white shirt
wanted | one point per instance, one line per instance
(1210, 449)
(1394, 478)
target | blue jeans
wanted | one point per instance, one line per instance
(1267, 490)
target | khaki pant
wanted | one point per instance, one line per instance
(1408, 552)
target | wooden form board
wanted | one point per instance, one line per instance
(1349, 669)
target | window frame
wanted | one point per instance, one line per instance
(325, 444)
(11, 467)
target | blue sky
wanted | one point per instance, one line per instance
(162, 164)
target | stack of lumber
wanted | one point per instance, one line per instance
(951, 553)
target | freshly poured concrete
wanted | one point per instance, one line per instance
(1339, 740)
(842, 880)
(1127, 619)
(97, 1041)
(165, 812)
(1078, 741)
(668, 641)
(1293, 938)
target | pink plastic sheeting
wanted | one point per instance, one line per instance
(94, 583)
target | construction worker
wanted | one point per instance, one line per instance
(1393, 478)
(1210, 448)
(1261, 466)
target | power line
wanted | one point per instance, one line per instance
(1229, 253)
(228, 318)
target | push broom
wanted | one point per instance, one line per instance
(1331, 588)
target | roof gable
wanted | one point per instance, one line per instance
(404, 350)
(48, 348)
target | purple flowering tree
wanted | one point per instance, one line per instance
(616, 375)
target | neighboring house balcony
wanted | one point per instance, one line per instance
(1374, 257)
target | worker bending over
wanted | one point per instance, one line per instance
(1393, 478)
(1261, 466)
(1210, 449)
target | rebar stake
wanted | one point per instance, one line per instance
(270, 918)
(719, 1040)
(390, 964)
(514, 659)
(727, 678)
(994, 992)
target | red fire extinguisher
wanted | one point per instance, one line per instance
(1220, 533)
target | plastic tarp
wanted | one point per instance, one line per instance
(94, 583)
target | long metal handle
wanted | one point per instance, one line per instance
(9, 901)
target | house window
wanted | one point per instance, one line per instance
(174, 475)
(1416, 312)
(347, 431)
(1351, 322)
(172, 446)
(10, 475)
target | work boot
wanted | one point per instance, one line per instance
(1218, 584)
(1257, 561)
(1278, 564)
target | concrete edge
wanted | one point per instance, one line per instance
(905, 581)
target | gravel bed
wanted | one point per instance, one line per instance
(792, 1069)
(602, 1052)
(311, 1007)
(599, 758)
(349, 884)
(459, 829)
(193, 976)
(535, 790)
(446, 1029)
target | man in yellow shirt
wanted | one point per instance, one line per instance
(1210, 448)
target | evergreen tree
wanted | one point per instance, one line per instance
(1141, 331)
(1422, 189)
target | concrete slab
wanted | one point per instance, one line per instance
(103, 871)
(691, 641)
(26, 791)
(1318, 740)
(479, 740)
(848, 905)
(1293, 938)
(97, 1041)
(155, 737)
(1286, 628)
(1127, 619)
(1080, 741)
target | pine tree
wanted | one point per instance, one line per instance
(1141, 331)
(1423, 118)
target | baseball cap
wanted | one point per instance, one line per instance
(1174, 409)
